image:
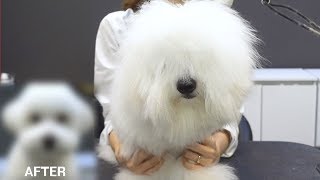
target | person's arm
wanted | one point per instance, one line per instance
(105, 64)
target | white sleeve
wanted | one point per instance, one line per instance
(233, 129)
(234, 132)
(105, 64)
(109, 32)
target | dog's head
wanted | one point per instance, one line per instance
(185, 67)
(48, 118)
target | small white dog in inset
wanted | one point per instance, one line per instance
(48, 119)
(185, 71)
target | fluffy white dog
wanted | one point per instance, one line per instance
(48, 120)
(185, 72)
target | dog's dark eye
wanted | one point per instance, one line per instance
(35, 118)
(62, 118)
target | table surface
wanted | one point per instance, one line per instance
(262, 161)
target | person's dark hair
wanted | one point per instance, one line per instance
(133, 4)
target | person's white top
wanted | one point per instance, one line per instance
(110, 29)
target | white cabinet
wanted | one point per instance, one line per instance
(316, 73)
(287, 111)
(252, 111)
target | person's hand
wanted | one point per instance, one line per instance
(141, 162)
(207, 152)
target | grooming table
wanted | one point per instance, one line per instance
(262, 161)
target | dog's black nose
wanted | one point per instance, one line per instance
(49, 143)
(186, 86)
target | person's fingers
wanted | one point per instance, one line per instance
(203, 150)
(189, 155)
(137, 158)
(142, 156)
(114, 141)
(119, 158)
(190, 165)
(116, 146)
(209, 141)
(148, 164)
(155, 168)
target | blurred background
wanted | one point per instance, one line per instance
(55, 39)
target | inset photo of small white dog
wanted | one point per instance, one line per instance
(48, 120)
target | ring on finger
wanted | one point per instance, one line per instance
(198, 160)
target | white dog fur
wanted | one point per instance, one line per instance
(46, 110)
(201, 39)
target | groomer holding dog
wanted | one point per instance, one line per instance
(206, 153)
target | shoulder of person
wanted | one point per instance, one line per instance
(116, 19)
